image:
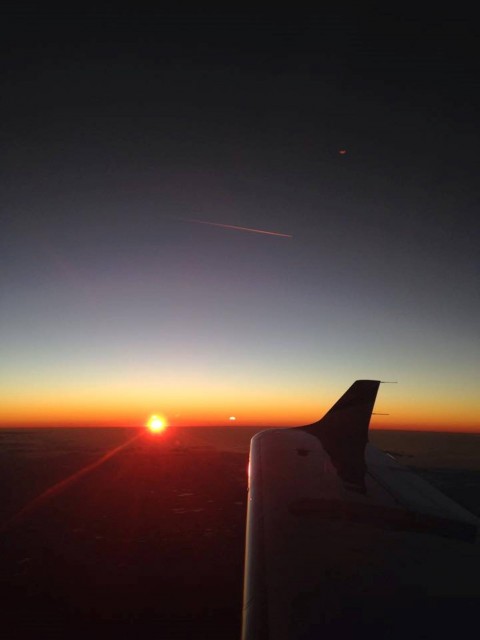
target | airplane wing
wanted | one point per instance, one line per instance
(341, 538)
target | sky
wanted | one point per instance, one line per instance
(353, 132)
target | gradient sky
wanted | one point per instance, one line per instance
(120, 130)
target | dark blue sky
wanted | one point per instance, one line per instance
(118, 126)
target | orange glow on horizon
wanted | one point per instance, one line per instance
(215, 402)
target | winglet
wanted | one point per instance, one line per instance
(343, 431)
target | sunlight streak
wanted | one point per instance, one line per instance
(60, 486)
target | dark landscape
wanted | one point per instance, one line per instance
(150, 539)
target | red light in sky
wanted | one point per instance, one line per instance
(342, 152)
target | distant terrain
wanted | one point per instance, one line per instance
(122, 531)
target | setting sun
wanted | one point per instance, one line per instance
(156, 424)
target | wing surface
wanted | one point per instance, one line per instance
(339, 534)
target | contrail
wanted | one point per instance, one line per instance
(235, 228)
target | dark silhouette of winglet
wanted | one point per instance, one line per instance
(343, 432)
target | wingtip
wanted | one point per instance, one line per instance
(343, 431)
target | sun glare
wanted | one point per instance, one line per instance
(156, 424)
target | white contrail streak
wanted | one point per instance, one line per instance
(235, 228)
